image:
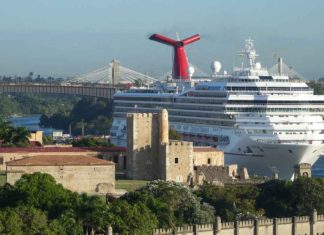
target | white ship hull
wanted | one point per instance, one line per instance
(280, 158)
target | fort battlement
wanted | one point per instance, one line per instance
(284, 220)
(320, 217)
(184, 229)
(140, 115)
(302, 219)
(228, 225)
(265, 221)
(246, 223)
(178, 143)
(311, 225)
(204, 227)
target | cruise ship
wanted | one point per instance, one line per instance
(267, 122)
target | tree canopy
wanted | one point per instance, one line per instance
(36, 204)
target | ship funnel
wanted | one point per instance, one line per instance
(280, 66)
(180, 61)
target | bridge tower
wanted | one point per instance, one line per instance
(115, 72)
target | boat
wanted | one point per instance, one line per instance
(267, 122)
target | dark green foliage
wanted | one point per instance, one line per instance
(37, 205)
(231, 202)
(94, 114)
(300, 197)
(173, 135)
(173, 204)
(275, 198)
(317, 86)
(23, 104)
(91, 142)
(41, 204)
(13, 136)
(127, 218)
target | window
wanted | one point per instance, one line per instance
(208, 161)
(176, 160)
(1, 160)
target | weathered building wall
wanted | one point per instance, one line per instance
(179, 161)
(213, 158)
(142, 146)
(89, 179)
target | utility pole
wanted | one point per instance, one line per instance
(82, 127)
(70, 129)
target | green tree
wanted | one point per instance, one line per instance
(174, 135)
(179, 205)
(231, 202)
(131, 219)
(306, 195)
(10, 222)
(42, 192)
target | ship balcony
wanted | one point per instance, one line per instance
(282, 127)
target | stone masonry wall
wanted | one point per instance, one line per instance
(216, 158)
(179, 161)
(142, 146)
(92, 179)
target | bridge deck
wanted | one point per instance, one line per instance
(100, 91)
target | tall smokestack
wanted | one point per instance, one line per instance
(280, 66)
(180, 62)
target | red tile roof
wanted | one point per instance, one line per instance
(60, 149)
(206, 149)
(59, 161)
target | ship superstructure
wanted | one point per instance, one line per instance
(266, 122)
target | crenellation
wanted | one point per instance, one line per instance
(265, 222)
(265, 227)
(302, 219)
(284, 220)
(228, 225)
(205, 227)
(246, 223)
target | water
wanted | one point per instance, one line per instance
(32, 123)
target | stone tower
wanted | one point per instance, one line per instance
(142, 146)
(115, 72)
(302, 170)
(163, 127)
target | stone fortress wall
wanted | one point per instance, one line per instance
(95, 179)
(151, 155)
(301, 225)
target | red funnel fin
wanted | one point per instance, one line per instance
(180, 62)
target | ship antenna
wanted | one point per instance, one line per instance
(249, 52)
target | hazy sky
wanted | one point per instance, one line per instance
(69, 37)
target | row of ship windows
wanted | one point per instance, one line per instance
(274, 102)
(168, 106)
(189, 120)
(262, 110)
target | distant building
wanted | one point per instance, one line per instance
(302, 170)
(36, 138)
(8, 154)
(77, 173)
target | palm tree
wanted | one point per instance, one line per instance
(19, 136)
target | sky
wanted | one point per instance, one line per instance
(63, 38)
